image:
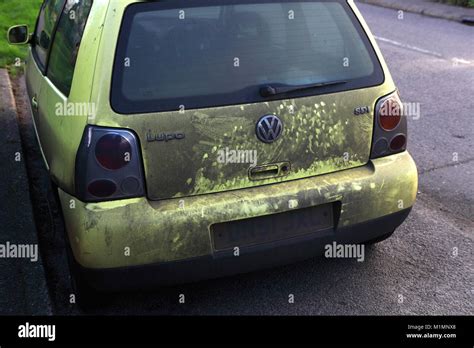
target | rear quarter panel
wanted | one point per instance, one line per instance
(59, 133)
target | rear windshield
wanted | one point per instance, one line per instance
(177, 55)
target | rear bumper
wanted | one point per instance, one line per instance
(174, 235)
(225, 263)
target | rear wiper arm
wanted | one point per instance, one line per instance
(269, 90)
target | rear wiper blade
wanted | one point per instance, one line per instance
(269, 90)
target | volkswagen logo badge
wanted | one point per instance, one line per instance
(269, 128)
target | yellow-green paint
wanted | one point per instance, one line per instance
(322, 134)
(60, 135)
(176, 225)
(174, 229)
(317, 136)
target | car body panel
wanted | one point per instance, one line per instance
(321, 133)
(34, 83)
(59, 130)
(173, 222)
(60, 135)
(138, 231)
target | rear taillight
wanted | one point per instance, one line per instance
(113, 151)
(390, 114)
(390, 130)
(108, 165)
(102, 188)
(398, 142)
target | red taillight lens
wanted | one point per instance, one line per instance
(398, 142)
(390, 131)
(102, 188)
(113, 151)
(390, 114)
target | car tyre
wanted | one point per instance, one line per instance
(86, 297)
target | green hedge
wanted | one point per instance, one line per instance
(14, 12)
(466, 3)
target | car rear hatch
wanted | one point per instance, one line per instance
(237, 95)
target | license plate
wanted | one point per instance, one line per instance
(274, 227)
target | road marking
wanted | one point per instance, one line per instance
(455, 60)
(410, 47)
(462, 61)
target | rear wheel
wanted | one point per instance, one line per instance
(85, 295)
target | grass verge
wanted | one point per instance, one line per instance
(14, 12)
(465, 3)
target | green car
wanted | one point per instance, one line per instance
(197, 139)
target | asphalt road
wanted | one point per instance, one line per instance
(425, 268)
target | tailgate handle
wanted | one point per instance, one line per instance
(268, 171)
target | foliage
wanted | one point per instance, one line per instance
(14, 12)
(465, 3)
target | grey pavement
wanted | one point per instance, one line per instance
(428, 8)
(424, 56)
(23, 288)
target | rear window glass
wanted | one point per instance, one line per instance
(173, 55)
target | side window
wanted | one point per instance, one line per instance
(47, 19)
(66, 43)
